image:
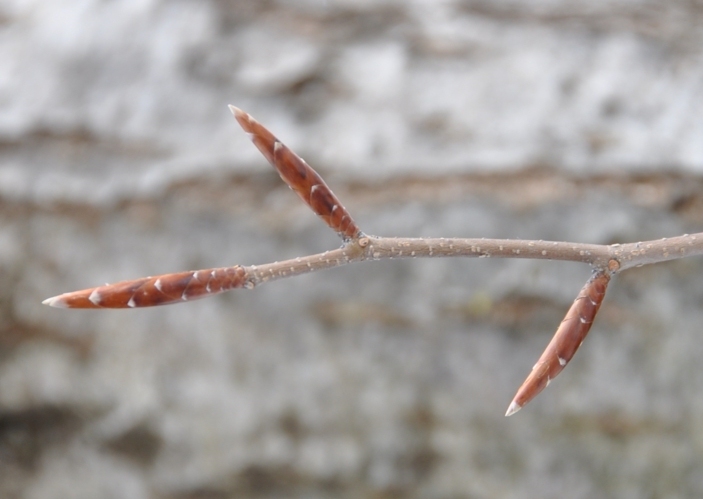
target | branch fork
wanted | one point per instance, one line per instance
(606, 260)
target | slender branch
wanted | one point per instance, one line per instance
(593, 254)
(614, 257)
(661, 250)
(388, 248)
(607, 260)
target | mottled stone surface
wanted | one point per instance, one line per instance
(543, 119)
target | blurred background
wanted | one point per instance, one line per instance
(542, 119)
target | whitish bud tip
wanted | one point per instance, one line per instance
(514, 407)
(55, 301)
(236, 111)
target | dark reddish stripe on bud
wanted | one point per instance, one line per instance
(295, 172)
(568, 338)
(151, 291)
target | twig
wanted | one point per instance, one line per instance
(606, 261)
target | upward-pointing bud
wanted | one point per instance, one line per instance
(295, 172)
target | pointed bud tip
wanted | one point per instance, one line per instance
(514, 407)
(244, 119)
(236, 111)
(55, 301)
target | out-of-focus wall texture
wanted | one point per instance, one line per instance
(543, 119)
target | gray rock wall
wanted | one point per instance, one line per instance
(543, 119)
